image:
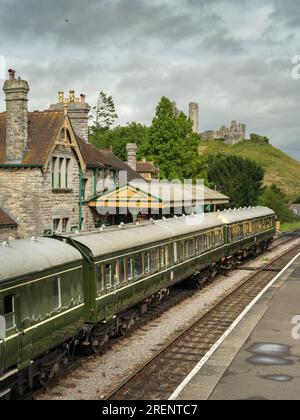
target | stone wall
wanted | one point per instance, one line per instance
(28, 195)
(7, 232)
(234, 134)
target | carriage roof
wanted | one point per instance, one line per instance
(120, 239)
(26, 256)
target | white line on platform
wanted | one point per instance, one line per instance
(208, 355)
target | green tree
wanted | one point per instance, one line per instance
(104, 113)
(239, 178)
(297, 200)
(256, 138)
(274, 198)
(172, 145)
(118, 137)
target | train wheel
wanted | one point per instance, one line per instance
(124, 328)
(100, 344)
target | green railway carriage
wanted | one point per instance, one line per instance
(41, 306)
(130, 264)
(247, 231)
(78, 290)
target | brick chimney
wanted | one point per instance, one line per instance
(16, 91)
(78, 111)
(131, 155)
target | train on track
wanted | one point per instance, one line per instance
(76, 291)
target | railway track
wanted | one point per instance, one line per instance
(178, 294)
(159, 377)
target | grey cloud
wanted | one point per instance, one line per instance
(287, 12)
(209, 51)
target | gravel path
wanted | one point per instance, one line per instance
(96, 378)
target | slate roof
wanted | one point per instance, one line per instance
(146, 167)
(43, 129)
(93, 157)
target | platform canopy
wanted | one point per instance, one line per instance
(159, 195)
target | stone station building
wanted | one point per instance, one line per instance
(48, 170)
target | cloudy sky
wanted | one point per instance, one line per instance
(233, 57)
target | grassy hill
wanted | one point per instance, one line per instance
(280, 168)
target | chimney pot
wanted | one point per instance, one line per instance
(77, 110)
(72, 95)
(11, 74)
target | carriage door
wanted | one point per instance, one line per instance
(12, 348)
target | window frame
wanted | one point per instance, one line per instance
(13, 313)
(59, 306)
(105, 268)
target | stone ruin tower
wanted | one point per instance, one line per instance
(194, 116)
(78, 111)
(236, 133)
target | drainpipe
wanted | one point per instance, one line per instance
(95, 181)
(80, 199)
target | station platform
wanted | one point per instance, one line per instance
(260, 358)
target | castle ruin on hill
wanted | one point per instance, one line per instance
(234, 134)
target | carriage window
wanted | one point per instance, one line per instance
(122, 270)
(129, 268)
(213, 239)
(197, 245)
(56, 293)
(221, 237)
(205, 242)
(170, 254)
(154, 260)
(209, 241)
(175, 252)
(147, 262)
(162, 257)
(190, 248)
(138, 265)
(186, 249)
(108, 275)
(9, 312)
(99, 277)
(115, 273)
(180, 251)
